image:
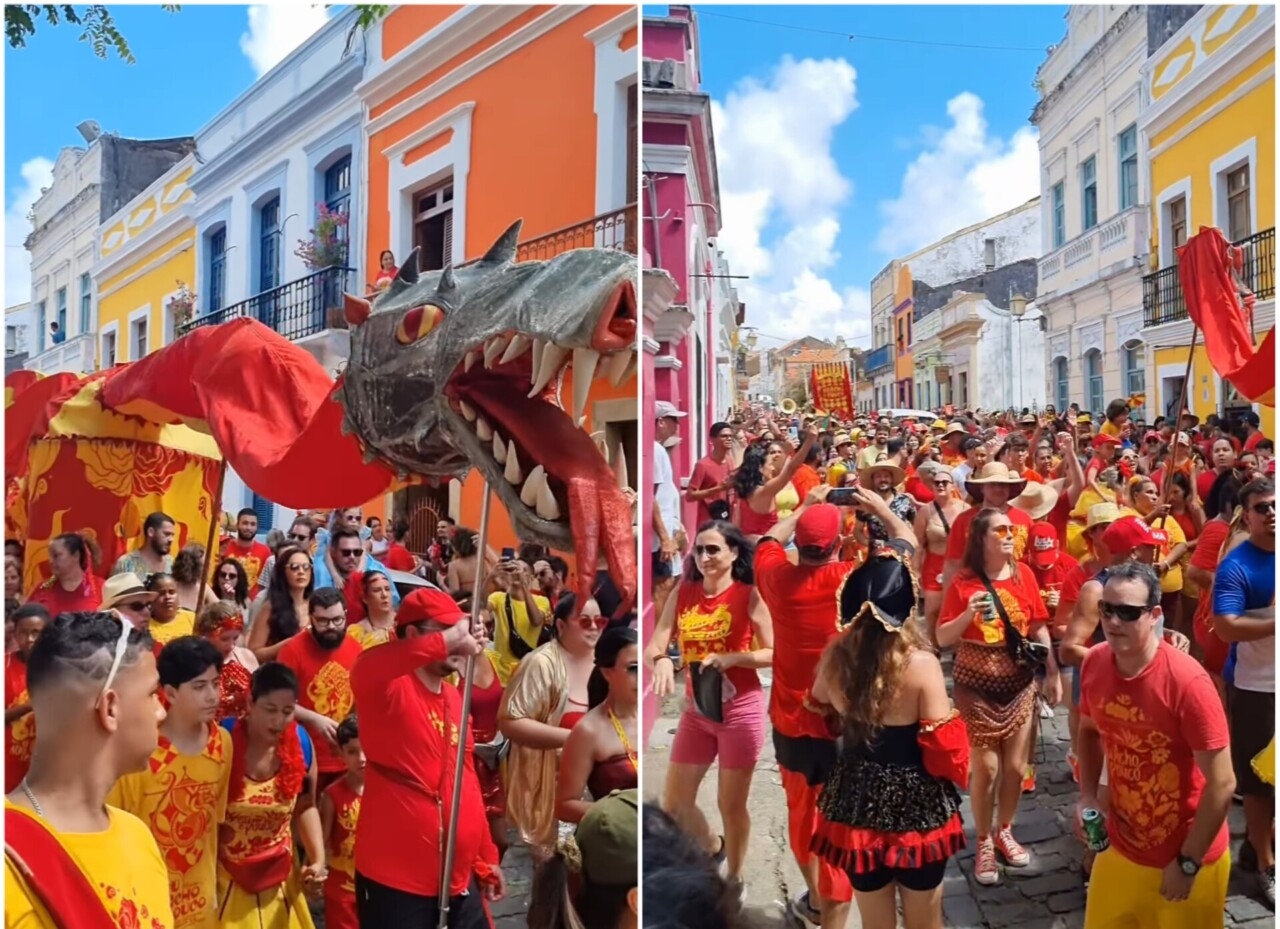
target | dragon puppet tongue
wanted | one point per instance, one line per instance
(599, 513)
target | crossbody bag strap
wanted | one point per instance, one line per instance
(53, 875)
(946, 526)
(1012, 636)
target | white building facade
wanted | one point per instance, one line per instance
(288, 144)
(18, 337)
(1094, 208)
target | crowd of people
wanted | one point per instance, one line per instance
(273, 734)
(924, 593)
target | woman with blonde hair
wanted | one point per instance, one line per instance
(222, 623)
(889, 814)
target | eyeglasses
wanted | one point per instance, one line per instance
(351, 552)
(328, 622)
(1002, 532)
(298, 566)
(122, 646)
(1264, 509)
(588, 622)
(1125, 612)
(709, 550)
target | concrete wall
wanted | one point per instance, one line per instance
(962, 254)
(1010, 360)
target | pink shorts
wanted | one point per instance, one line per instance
(737, 741)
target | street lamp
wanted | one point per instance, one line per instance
(1018, 305)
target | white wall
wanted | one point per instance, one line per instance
(1010, 360)
(19, 318)
(962, 254)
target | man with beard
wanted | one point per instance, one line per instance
(153, 556)
(882, 479)
(344, 556)
(869, 455)
(410, 723)
(70, 860)
(1244, 613)
(246, 549)
(322, 658)
(184, 786)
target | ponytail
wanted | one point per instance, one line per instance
(551, 903)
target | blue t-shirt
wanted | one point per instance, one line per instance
(1246, 580)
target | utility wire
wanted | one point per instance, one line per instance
(704, 11)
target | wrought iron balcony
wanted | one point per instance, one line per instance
(301, 308)
(877, 359)
(616, 229)
(1162, 299)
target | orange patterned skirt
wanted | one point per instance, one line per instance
(994, 694)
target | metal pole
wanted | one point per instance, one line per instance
(451, 838)
(215, 507)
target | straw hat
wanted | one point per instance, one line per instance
(1037, 501)
(121, 587)
(864, 474)
(954, 429)
(842, 438)
(1101, 514)
(995, 472)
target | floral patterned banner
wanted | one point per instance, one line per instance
(832, 389)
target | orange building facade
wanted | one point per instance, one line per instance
(904, 309)
(478, 116)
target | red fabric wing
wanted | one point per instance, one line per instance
(268, 405)
(29, 414)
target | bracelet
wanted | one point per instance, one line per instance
(660, 658)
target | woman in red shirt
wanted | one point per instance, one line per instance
(995, 692)
(73, 587)
(762, 475)
(1222, 454)
(723, 625)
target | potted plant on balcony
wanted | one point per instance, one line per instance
(182, 305)
(327, 248)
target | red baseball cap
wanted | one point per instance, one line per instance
(1126, 534)
(1043, 546)
(1100, 440)
(818, 526)
(428, 605)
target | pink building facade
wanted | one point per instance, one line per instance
(691, 314)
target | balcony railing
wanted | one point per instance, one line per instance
(295, 310)
(1162, 299)
(74, 356)
(616, 229)
(878, 358)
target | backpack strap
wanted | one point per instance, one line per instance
(52, 874)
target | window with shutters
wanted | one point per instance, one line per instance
(217, 269)
(1177, 223)
(42, 326)
(266, 511)
(138, 338)
(61, 303)
(1059, 201)
(86, 302)
(1061, 383)
(1089, 194)
(433, 227)
(1134, 364)
(1093, 381)
(1239, 222)
(1128, 167)
(108, 349)
(337, 191)
(633, 146)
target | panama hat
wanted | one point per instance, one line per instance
(955, 429)
(1037, 501)
(1101, 514)
(864, 474)
(995, 472)
(121, 587)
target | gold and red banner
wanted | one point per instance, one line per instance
(831, 389)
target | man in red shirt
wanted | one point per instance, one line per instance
(246, 549)
(709, 484)
(322, 658)
(1153, 714)
(802, 600)
(994, 487)
(399, 558)
(410, 721)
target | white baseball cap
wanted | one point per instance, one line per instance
(666, 410)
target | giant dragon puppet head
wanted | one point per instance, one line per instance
(462, 368)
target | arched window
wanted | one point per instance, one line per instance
(1133, 368)
(1061, 384)
(1097, 402)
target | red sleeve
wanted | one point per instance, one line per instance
(1091, 469)
(944, 749)
(769, 554)
(1204, 723)
(288, 655)
(916, 488)
(954, 602)
(396, 658)
(1088, 670)
(1036, 609)
(699, 477)
(1251, 443)
(1204, 484)
(1211, 537)
(958, 535)
(399, 558)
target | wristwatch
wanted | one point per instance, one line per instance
(1189, 866)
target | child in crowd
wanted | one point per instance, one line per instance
(339, 812)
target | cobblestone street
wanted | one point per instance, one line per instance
(1046, 895)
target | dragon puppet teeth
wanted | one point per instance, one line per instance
(499, 449)
(493, 348)
(483, 429)
(468, 411)
(620, 468)
(546, 505)
(512, 472)
(552, 356)
(469, 360)
(538, 345)
(584, 372)
(533, 484)
(617, 365)
(518, 345)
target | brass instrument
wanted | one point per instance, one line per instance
(787, 406)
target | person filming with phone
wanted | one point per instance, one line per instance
(520, 616)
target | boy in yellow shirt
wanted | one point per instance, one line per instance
(182, 793)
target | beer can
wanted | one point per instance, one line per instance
(1095, 830)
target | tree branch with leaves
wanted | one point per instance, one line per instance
(98, 27)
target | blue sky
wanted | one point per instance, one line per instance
(837, 156)
(190, 65)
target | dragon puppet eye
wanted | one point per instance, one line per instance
(418, 323)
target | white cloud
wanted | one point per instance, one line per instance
(36, 175)
(782, 191)
(275, 31)
(962, 177)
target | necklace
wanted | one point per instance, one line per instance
(622, 737)
(35, 804)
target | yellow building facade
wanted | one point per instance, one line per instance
(146, 267)
(1208, 131)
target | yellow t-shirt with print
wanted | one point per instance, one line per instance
(182, 624)
(122, 863)
(1109, 428)
(1172, 580)
(503, 626)
(183, 799)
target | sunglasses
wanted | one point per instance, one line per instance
(709, 550)
(1125, 612)
(941, 483)
(298, 566)
(136, 607)
(1002, 532)
(228, 576)
(1264, 509)
(351, 552)
(295, 537)
(122, 646)
(587, 622)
